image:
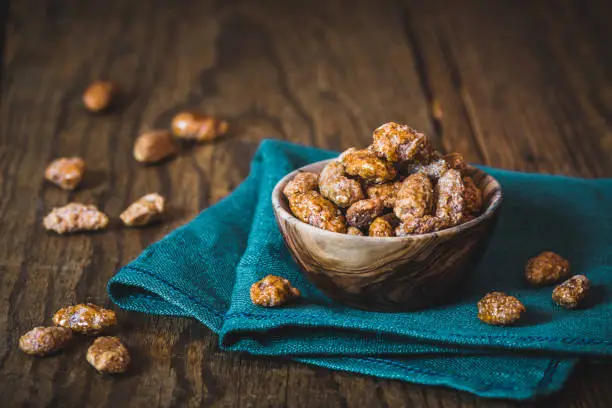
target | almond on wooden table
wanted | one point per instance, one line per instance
(192, 125)
(65, 172)
(99, 95)
(42, 341)
(85, 318)
(146, 210)
(75, 217)
(108, 355)
(154, 146)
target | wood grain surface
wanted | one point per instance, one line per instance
(524, 85)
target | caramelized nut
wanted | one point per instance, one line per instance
(301, 183)
(394, 142)
(338, 188)
(386, 192)
(108, 355)
(42, 341)
(383, 226)
(362, 213)
(75, 217)
(273, 291)
(85, 318)
(147, 209)
(450, 192)
(572, 292)
(497, 308)
(99, 95)
(195, 126)
(354, 231)
(414, 198)
(365, 164)
(66, 172)
(546, 268)
(434, 169)
(455, 161)
(420, 225)
(154, 146)
(472, 197)
(312, 208)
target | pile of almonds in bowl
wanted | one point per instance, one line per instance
(399, 185)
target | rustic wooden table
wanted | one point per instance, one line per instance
(518, 85)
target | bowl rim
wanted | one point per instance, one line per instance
(277, 197)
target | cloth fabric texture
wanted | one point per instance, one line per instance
(205, 268)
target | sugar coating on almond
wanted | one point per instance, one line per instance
(85, 318)
(108, 355)
(273, 291)
(145, 210)
(75, 217)
(65, 172)
(42, 341)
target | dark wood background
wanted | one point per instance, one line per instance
(524, 85)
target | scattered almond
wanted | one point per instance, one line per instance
(195, 126)
(42, 341)
(66, 172)
(144, 211)
(108, 355)
(99, 95)
(75, 217)
(153, 146)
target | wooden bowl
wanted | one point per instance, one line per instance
(389, 274)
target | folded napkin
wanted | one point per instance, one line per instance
(205, 269)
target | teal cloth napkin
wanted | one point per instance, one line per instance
(205, 269)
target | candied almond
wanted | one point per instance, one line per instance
(497, 308)
(108, 355)
(85, 318)
(455, 161)
(415, 197)
(394, 142)
(420, 225)
(387, 192)
(42, 341)
(99, 95)
(335, 186)
(65, 172)
(362, 213)
(450, 203)
(571, 293)
(273, 291)
(546, 268)
(75, 217)
(365, 164)
(383, 226)
(154, 146)
(314, 209)
(354, 231)
(196, 126)
(472, 197)
(302, 182)
(144, 211)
